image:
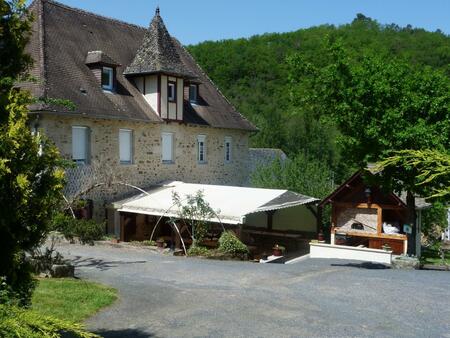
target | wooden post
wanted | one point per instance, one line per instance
(319, 224)
(122, 227)
(270, 214)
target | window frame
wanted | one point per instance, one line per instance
(201, 149)
(87, 153)
(172, 148)
(195, 99)
(110, 85)
(131, 160)
(228, 145)
(172, 84)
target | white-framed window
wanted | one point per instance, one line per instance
(171, 91)
(107, 78)
(167, 147)
(201, 148)
(228, 147)
(126, 146)
(193, 93)
(80, 144)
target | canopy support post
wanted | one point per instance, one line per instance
(270, 214)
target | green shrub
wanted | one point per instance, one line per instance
(198, 250)
(17, 322)
(230, 244)
(87, 231)
(65, 224)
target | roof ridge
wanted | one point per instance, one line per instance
(85, 12)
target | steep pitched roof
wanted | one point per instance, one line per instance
(62, 38)
(157, 53)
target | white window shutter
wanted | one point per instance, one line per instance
(167, 147)
(125, 145)
(201, 148)
(80, 144)
(228, 149)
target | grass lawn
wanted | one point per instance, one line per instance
(71, 299)
(431, 255)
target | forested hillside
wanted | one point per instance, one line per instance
(253, 73)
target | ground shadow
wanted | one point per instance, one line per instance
(364, 265)
(100, 264)
(124, 333)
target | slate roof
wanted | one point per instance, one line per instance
(62, 38)
(158, 53)
(97, 56)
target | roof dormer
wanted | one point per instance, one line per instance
(104, 69)
(158, 71)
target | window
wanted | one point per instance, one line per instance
(167, 147)
(126, 146)
(201, 148)
(171, 91)
(227, 149)
(107, 78)
(193, 92)
(80, 145)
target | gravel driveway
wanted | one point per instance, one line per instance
(165, 296)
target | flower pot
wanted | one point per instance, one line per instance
(277, 251)
(160, 244)
(115, 240)
(320, 237)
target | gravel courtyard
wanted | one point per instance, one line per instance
(165, 296)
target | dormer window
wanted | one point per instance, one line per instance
(107, 78)
(103, 68)
(193, 93)
(171, 91)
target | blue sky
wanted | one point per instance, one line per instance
(198, 20)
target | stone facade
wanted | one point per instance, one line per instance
(147, 167)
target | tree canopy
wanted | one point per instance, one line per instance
(31, 178)
(253, 74)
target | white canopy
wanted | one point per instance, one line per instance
(230, 203)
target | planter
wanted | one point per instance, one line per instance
(115, 240)
(320, 237)
(277, 251)
(160, 243)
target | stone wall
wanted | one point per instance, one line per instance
(147, 167)
(367, 217)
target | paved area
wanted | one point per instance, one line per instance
(165, 296)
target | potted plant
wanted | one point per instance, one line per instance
(320, 236)
(115, 240)
(80, 208)
(278, 250)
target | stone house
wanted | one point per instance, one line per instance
(143, 108)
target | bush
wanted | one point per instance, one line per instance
(16, 322)
(65, 224)
(87, 231)
(19, 289)
(230, 244)
(198, 250)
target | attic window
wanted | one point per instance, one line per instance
(107, 78)
(193, 93)
(171, 92)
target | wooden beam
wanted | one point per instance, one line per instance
(399, 237)
(368, 206)
(379, 220)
